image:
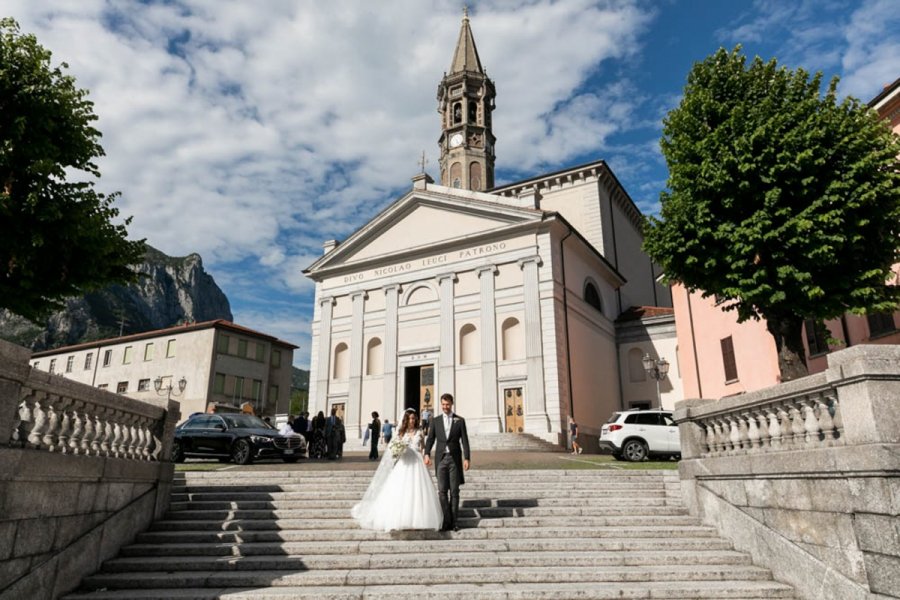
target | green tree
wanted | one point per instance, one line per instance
(57, 238)
(781, 201)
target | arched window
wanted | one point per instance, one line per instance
(473, 112)
(341, 360)
(457, 113)
(374, 357)
(456, 175)
(636, 371)
(592, 296)
(513, 340)
(420, 295)
(469, 349)
(475, 176)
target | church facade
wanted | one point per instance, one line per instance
(506, 297)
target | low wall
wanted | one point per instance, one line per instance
(805, 476)
(82, 471)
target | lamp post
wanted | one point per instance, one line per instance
(657, 369)
(167, 388)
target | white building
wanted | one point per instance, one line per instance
(505, 297)
(218, 361)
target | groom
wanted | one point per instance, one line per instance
(449, 430)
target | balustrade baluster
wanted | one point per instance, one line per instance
(145, 438)
(721, 446)
(774, 427)
(125, 444)
(798, 440)
(116, 428)
(735, 436)
(752, 431)
(838, 420)
(826, 423)
(49, 438)
(99, 433)
(24, 421)
(90, 432)
(108, 434)
(65, 425)
(743, 431)
(40, 421)
(711, 446)
(787, 432)
(77, 429)
(811, 422)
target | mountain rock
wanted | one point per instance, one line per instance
(170, 291)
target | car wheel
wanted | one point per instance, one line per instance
(634, 450)
(240, 452)
(289, 459)
(177, 452)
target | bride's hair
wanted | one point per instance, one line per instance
(405, 426)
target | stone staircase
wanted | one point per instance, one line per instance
(515, 442)
(526, 534)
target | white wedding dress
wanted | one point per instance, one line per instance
(401, 495)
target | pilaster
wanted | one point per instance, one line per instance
(536, 419)
(490, 408)
(326, 306)
(391, 294)
(447, 357)
(352, 420)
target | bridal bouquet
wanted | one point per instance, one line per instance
(397, 446)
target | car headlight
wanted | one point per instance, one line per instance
(260, 440)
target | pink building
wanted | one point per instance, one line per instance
(720, 357)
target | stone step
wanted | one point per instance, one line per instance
(427, 560)
(519, 502)
(445, 576)
(263, 478)
(164, 543)
(309, 494)
(670, 590)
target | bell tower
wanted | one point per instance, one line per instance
(465, 102)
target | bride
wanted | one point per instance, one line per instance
(401, 494)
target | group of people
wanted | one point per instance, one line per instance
(376, 431)
(325, 436)
(401, 494)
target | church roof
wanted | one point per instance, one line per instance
(465, 58)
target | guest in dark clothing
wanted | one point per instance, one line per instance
(300, 424)
(334, 435)
(317, 445)
(374, 435)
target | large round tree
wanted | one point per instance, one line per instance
(57, 237)
(782, 201)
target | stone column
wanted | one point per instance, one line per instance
(536, 419)
(447, 360)
(490, 412)
(352, 420)
(391, 293)
(326, 306)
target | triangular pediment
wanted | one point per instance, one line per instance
(420, 221)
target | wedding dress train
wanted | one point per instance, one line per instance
(401, 495)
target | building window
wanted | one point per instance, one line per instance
(880, 323)
(126, 358)
(222, 344)
(148, 351)
(257, 390)
(121, 387)
(273, 393)
(238, 392)
(513, 340)
(260, 352)
(341, 358)
(70, 362)
(170, 349)
(592, 296)
(143, 385)
(475, 176)
(816, 337)
(374, 357)
(469, 351)
(276, 358)
(219, 384)
(52, 365)
(102, 386)
(636, 372)
(728, 360)
(242, 348)
(107, 358)
(456, 175)
(88, 360)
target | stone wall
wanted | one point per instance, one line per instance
(805, 476)
(82, 471)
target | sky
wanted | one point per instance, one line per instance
(252, 132)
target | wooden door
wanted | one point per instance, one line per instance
(515, 413)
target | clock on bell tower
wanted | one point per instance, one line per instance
(465, 103)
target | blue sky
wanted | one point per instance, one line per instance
(252, 132)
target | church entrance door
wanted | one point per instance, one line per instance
(419, 388)
(515, 414)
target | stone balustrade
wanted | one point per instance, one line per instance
(806, 420)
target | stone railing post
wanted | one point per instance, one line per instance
(694, 439)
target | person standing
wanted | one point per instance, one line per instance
(451, 459)
(387, 432)
(318, 448)
(573, 431)
(426, 419)
(334, 435)
(374, 435)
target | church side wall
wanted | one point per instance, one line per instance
(579, 204)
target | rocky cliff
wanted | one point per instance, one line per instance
(170, 291)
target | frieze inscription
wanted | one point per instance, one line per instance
(429, 261)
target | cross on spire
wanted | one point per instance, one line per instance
(423, 161)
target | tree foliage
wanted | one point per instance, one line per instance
(57, 236)
(781, 200)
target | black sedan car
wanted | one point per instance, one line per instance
(238, 437)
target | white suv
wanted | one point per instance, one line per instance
(636, 435)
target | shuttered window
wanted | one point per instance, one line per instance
(816, 337)
(728, 359)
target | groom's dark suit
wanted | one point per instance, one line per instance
(452, 447)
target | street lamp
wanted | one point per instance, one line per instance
(167, 388)
(657, 369)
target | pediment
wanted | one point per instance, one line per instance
(420, 221)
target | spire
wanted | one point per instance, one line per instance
(466, 56)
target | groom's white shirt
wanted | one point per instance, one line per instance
(448, 422)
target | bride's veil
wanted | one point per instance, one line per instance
(362, 511)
